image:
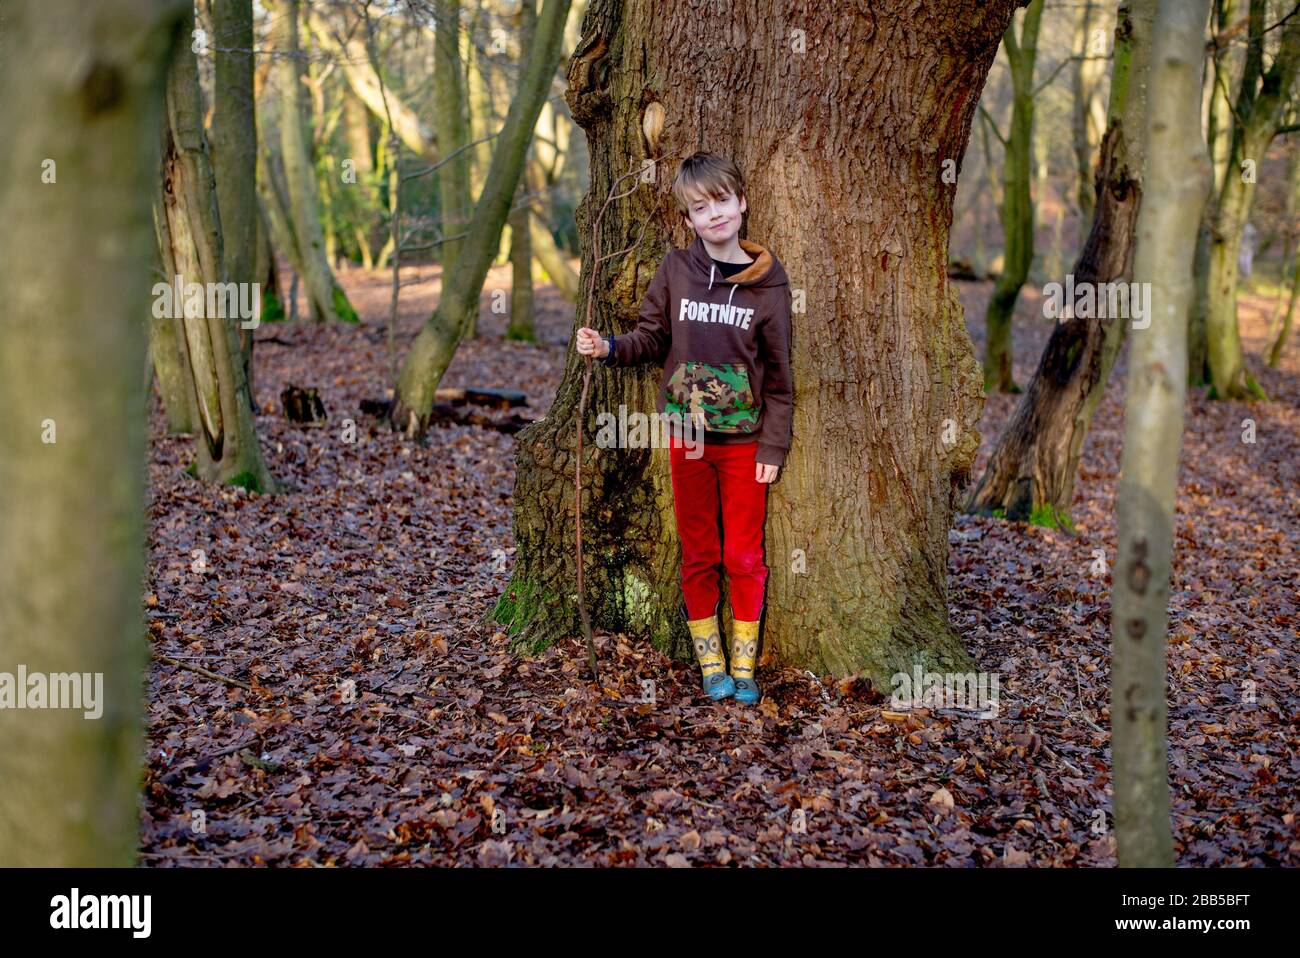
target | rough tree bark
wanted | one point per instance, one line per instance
(81, 85)
(844, 123)
(226, 446)
(433, 348)
(1017, 205)
(1032, 470)
(1176, 190)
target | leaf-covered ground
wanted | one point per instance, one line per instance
(354, 709)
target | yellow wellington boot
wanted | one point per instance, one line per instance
(744, 653)
(707, 641)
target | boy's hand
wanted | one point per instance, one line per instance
(590, 343)
(764, 472)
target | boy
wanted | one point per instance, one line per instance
(717, 315)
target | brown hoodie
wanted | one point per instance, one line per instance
(725, 346)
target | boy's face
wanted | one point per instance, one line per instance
(715, 220)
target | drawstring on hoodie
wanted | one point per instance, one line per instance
(733, 285)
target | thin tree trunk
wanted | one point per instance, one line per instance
(550, 257)
(481, 117)
(1219, 69)
(553, 260)
(1275, 353)
(275, 209)
(521, 325)
(453, 134)
(328, 301)
(436, 343)
(1261, 102)
(356, 125)
(1176, 189)
(83, 85)
(1031, 474)
(845, 184)
(226, 446)
(266, 272)
(1017, 205)
(234, 152)
(170, 364)
(370, 88)
(981, 263)
(1089, 113)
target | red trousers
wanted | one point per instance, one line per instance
(723, 475)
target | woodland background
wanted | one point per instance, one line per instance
(353, 514)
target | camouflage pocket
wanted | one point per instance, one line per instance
(719, 392)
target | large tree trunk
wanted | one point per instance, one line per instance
(80, 84)
(1176, 188)
(234, 152)
(1032, 470)
(226, 446)
(328, 301)
(845, 158)
(436, 343)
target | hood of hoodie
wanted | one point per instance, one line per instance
(766, 270)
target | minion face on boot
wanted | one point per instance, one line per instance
(744, 652)
(707, 642)
(708, 646)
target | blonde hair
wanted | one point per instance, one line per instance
(707, 174)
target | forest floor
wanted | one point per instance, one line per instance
(361, 712)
